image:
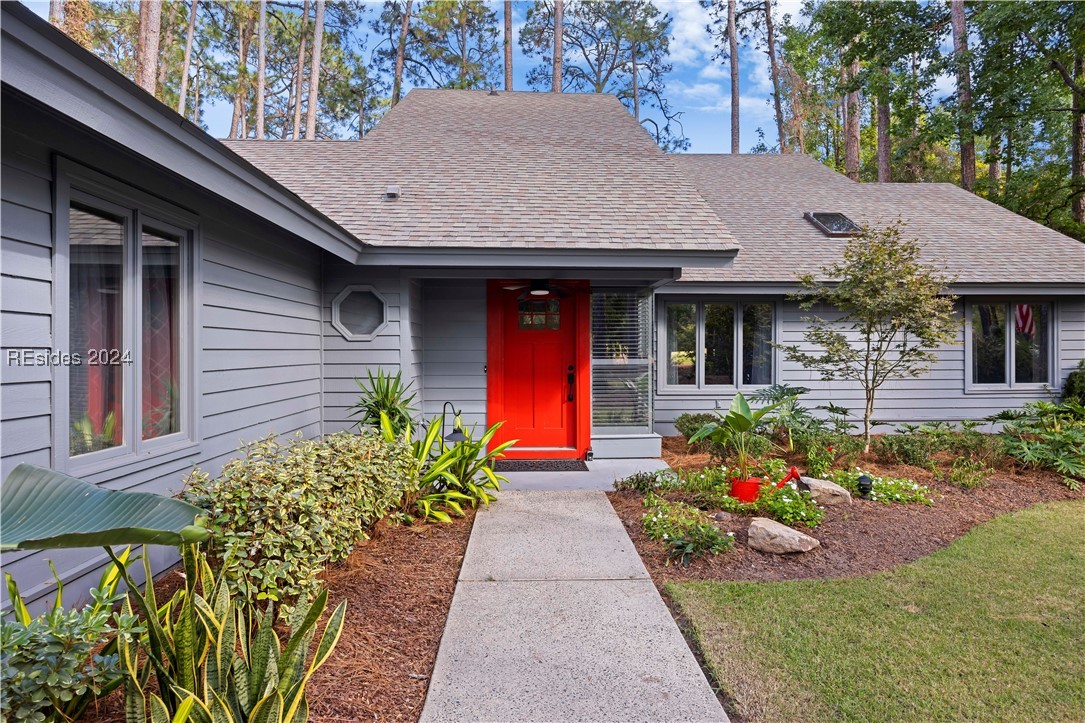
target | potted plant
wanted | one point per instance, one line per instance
(736, 429)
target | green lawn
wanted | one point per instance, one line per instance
(991, 628)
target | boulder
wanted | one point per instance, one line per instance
(770, 536)
(723, 517)
(825, 492)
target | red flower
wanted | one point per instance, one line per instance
(830, 448)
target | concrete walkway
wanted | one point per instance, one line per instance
(556, 619)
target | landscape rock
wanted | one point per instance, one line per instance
(770, 536)
(825, 492)
(724, 517)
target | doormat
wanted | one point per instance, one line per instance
(540, 465)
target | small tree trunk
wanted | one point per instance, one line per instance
(401, 50)
(732, 47)
(237, 121)
(851, 128)
(187, 63)
(361, 114)
(994, 161)
(774, 70)
(166, 39)
(299, 78)
(508, 44)
(314, 74)
(868, 416)
(261, 69)
(56, 12)
(636, 83)
(196, 93)
(965, 124)
(463, 47)
(150, 32)
(559, 30)
(884, 144)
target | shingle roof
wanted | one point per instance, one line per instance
(527, 170)
(762, 198)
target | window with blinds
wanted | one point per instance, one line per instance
(621, 350)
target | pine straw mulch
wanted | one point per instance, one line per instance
(856, 539)
(398, 586)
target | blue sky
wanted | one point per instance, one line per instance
(698, 86)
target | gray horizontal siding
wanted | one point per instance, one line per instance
(454, 350)
(938, 395)
(345, 359)
(259, 326)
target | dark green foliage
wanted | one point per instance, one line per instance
(384, 393)
(1073, 389)
(689, 423)
(683, 529)
(55, 665)
(285, 510)
(1050, 436)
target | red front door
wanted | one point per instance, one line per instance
(536, 375)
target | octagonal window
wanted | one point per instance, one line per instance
(359, 313)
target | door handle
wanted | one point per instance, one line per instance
(571, 378)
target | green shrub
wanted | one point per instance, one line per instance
(284, 511)
(914, 448)
(1043, 435)
(685, 530)
(645, 482)
(969, 472)
(789, 505)
(689, 424)
(53, 666)
(1073, 389)
(885, 489)
(217, 658)
(384, 393)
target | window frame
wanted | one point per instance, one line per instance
(700, 388)
(342, 328)
(82, 185)
(1011, 386)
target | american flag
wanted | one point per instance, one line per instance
(1023, 319)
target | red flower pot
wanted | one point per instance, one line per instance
(746, 490)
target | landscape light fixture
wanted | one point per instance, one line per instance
(866, 486)
(456, 435)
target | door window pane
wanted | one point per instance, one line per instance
(96, 279)
(989, 344)
(1031, 341)
(161, 261)
(757, 344)
(544, 314)
(719, 339)
(682, 344)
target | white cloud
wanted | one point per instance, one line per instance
(714, 71)
(691, 44)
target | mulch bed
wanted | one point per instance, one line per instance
(856, 539)
(398, 586)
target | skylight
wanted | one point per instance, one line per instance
(832, 224)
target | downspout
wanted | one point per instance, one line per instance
(322, 298)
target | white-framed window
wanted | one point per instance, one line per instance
(125, 321)
(717, 343)
(1009, 344)
(359, 313)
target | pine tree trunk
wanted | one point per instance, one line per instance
(559, 30)
(851, 128)
(196, 93)
(165, 43)
(508, 44)
(56, 12)
(299, 79)
(237, 121)
(774, 70)
(732, 40)
(314, 74)
(261, 69)
(187, 63)
(965, 123)
(150, 32)
(401, 50)
(798, 107)
(1077, 143)
(463, 47)
(885, 150)
(636, 82)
